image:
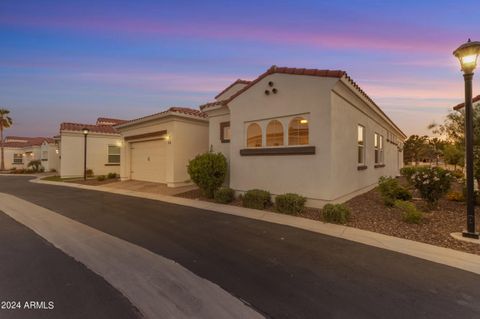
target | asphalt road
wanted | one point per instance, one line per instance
(281, 271)
(33, 270)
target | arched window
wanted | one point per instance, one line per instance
(298, 131)
(254, 135)
(274, 133)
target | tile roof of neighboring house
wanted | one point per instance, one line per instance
(301, 71)
(462, 105)
(19, 141)
(183, 111)
(238, 81)
(78, 127)
(109, 121)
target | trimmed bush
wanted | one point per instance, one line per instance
(432, 183)
(408, 171)
(458, 174)
(112, 175)
(292, 204)
(224, 195)
(101, 178)
(391, 190)
(89, 173)
(411, 214)
(208, 172)
(256, 198)
(336, 213)
(35, 165)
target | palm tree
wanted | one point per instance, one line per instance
(5, 122)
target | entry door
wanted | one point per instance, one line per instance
(148, 161)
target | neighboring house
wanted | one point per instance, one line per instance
(104, 145)
(19, 151)
(475, 100)
(157, 147)
(306, 131)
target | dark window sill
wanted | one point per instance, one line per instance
(111, 164)
(379, 165)
(302, 150)
(362, 167)
(44, 159)
(225, 141)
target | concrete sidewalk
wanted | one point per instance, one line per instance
(446, 256)
(157, 286)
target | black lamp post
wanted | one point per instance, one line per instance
(468, 53)
(85, 133)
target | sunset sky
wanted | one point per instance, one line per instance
(72, 61)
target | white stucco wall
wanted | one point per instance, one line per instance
(188, 137)
(348, 111)
(52, 159)
(72, 153)
(8, 157)
(333, 113)
(308, 175)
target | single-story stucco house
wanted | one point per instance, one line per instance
(19, 151)
(306, 131)
(157, 148)
(104, 145)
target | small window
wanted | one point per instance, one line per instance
(378, 145)
(18, 158)
(113, 154)
(361, 144)
(254, 135)
(274, 133)
(225, 132)
(298, 131)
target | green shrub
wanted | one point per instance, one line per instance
(101, 178)
(256, 198)
(208, 172)
(35, 165)
(458, 174)
(112, 175)
(391, 190)
(408, 171)
(292, 204)
(53, 170)
(411, 214)
(432, 183)
(336, 213)
(224, 195)
(89, 173)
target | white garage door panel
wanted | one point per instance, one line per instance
(149, 161)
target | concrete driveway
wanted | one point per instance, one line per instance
(281, 271)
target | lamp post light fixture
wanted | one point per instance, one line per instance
(85, 132)
(467, 54)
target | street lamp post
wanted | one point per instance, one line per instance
(467, 54)
(85, 133)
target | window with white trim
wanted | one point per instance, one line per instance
(18, 158)
(378, 145)
(274, 133)
(361, 144)
(254, 135)
(298, 131)
(113, 154)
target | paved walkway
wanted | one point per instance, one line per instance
(446, 256)
(159, 287)
(148, 187)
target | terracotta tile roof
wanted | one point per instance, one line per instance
(109, 121)
(19, 141)
(212, 104)
(238, 81)
(179, 110)
(78, 127)
(310, 72)
(462, 105)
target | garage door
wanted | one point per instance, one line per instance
(148, 161)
